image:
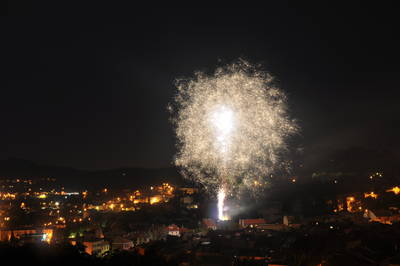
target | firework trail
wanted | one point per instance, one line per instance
(231, 128)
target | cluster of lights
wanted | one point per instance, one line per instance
(166, 191)
(18, 180)
(351, 199)
(167, 188)
(374, 175)
(61, 220)
(371, 195)
(7, 196)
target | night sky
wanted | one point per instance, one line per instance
(87, 86)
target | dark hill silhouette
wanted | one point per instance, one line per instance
(16, 167)
(73, 178)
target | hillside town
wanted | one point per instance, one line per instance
(176, 225)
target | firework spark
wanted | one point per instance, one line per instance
(231, 128)
(221, 200)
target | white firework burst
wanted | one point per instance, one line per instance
(231, 127)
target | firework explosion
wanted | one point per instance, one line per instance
(231, 128)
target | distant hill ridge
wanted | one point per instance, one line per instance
(80, 179)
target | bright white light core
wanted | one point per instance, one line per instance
(223, 120)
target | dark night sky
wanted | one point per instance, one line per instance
(87, 86)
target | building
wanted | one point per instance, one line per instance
(96, 247)
(173, 230)
(244, 223)
(120, 243)
(189, 190)
(209, 224)
(186, 200)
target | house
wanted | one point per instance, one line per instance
(244, 223)
(96, 246)
(173, 230)
(210, 224)
(186, 200)
(188, 190)
(120, 243)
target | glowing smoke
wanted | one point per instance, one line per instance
(231, 128)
